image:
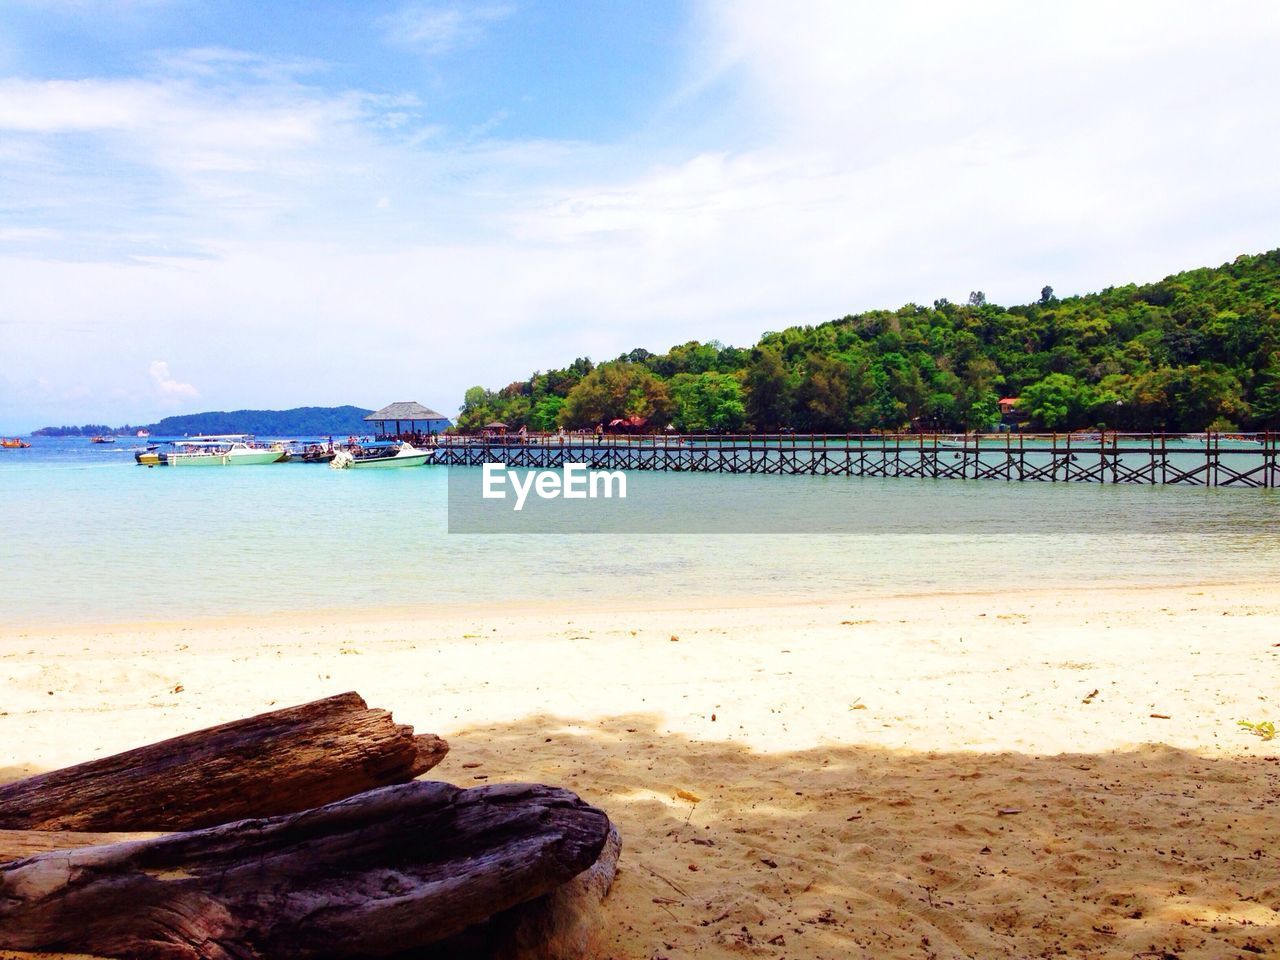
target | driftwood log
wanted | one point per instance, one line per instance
(18, 844)
(271, 764)
(384, 872)
(565, 924)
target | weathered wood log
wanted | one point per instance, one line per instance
(389, 870)
(564, 924)
(274, 763)
(17, 844)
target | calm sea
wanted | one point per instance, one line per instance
(88, 537)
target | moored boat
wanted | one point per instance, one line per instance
(381, 455)
(13, 443)
(225, 451)
(318, 453)
(235, 454)
(102, 439)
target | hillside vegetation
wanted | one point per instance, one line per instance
(1197, 350)
(300, 421)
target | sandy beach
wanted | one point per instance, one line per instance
(964, 775)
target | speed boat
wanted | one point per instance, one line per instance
(380, 455)
(226, 451)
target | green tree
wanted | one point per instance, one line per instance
(1266, 404)
(1059, 400)
(984, 411)
(768, 388)
(1189, 398)
(616, 391)
(478, 408)
(824, 395)
(545, 415)
(707, 402)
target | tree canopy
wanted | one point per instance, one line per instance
(1198, 349)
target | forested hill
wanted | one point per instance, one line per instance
(300, 421)
(1197, 350)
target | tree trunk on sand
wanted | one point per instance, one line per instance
(17, 844)
(387, 871)
(564, 924)
(275, 763)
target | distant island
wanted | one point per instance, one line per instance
(1196, 350)
(300, 421)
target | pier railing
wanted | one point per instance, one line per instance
(1211, 459)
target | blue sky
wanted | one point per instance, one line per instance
(218, 205)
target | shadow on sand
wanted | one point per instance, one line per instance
(852, 851)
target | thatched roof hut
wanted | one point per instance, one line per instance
(410, 414)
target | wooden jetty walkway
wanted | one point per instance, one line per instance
(1208, 460)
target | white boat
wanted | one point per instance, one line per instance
(225, 451)
(380, 455)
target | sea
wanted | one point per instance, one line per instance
(89, 537)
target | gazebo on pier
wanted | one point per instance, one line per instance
(408, 417)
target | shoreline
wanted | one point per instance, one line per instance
(524, 608)
(970, 647)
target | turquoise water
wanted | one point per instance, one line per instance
(90, 537)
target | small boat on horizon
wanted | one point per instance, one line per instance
(13, 443)
(102, 439)
(380, 455)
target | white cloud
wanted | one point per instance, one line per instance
(68, 106)
(435, 29)
(178, 163)
(219, 62)
(167, 387)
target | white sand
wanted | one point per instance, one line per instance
(850, 761)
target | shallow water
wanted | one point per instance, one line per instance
(91, 537)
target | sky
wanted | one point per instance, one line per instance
(219, 205)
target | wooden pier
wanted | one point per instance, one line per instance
(1208, 460)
